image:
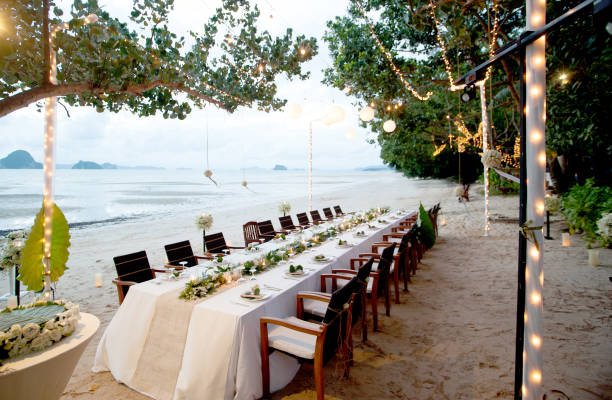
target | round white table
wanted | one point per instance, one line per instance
(44, 375)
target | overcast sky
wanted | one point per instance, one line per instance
(244, 139)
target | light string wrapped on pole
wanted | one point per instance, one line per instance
(49, 160)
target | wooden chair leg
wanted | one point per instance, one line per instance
(318, 377)
(396, 282)
(364, 320)
(406, 272)
(265, 361)
(387, 300)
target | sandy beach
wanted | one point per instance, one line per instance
(452, 336)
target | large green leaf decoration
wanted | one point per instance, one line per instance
(31, 271)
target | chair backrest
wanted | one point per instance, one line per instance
(287, 223)
(251, 232)
(316, 217)
(338, 210)
(180, 251)
(133, 267)
(303, 219)
(333, 317)
(215, 243)
(362, 275)
(266, 230)
(383, 269)
(328, 213)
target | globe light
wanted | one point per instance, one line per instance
(335, 114)
(389, 126)
(294, 110)
(366, 114)
(350, 133)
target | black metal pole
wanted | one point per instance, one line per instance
(548, 237)
(522, 256)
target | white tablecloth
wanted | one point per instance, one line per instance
(168, 348)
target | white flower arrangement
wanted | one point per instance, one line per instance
(553, 204)
(604, 229)
(491, 159)
(204, 221)
(284, 207)
(21, 340)
(11, 253)
(459, 190)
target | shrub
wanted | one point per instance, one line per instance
(499, 185)
(426, 230)
(583, 206)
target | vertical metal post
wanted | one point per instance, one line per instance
(310, 167)
(522, 248)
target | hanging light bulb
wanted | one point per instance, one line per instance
(335, 114)
(389, 126)
(208, 173)
(350, 133)
(294, 110)
(366, 114)
(302, 51)
(244, 183)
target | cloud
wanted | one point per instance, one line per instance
(246, 138)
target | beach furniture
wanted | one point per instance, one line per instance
(215, 243)
(316, 217)
(250, 231)
(328, 213)
(380, 286)
(400, 264)
(132, 269)
(316, 309)
(287, 224)
(182, 252)
(310, 341)
(303, 220)
(338, 211)
(266, 230)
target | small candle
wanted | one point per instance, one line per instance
(192, 277)
(565, 239)
(594, 257)
(227, 276)
(443, 220)
(98, 280)
(11, 302)
(236, 274)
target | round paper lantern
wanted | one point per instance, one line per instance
(367, 114)
(389, 126)
(294, 110)
(335, 114)
(350, 133)
(244, 183)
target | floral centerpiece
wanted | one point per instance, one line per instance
(204, 221)
(35, 327)
(11, 253)
(203, 286)
(553, 204)
(604, 229)
(491, 159)
(284, 207)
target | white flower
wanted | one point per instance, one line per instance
(604, 226)
(284, 207)
(553, 204)
(55, 334)
(459, 191)
(491, 159)
(51, 325)
(14, 332)
(38, 343)
(30, 331)
(204, 221)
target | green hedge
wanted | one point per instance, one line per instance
(426, 230)
(583, 206)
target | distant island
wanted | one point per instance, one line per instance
(374, 168)
(86, 165)
(279, 167)
(19, 159)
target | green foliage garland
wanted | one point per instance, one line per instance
(427, 234)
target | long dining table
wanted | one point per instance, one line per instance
(168, 348)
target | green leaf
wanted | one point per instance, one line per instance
(31, 271)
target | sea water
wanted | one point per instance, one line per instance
(101, 196)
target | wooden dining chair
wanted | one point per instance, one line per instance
(132, 269)
(266, 230)
(338, 211)
(303, 220)
(182, 251)
(251, 233)
(316, 217)
(306, 340)
(400, 265)
(215, 243)
(315, 309)
(287, 224)
(328, 213)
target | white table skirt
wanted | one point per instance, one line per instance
(217, 354)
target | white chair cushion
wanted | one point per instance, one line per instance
(293, 342)
(315, 307)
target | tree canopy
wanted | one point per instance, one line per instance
(111, 67)
(425, 141)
